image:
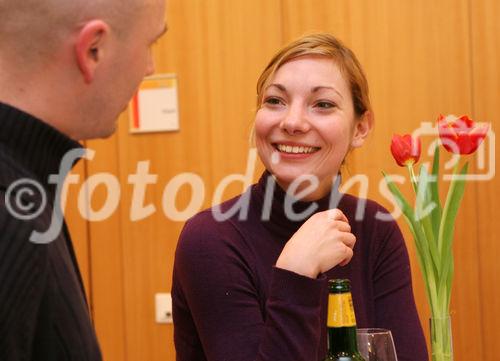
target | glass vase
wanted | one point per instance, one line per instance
(441, 338)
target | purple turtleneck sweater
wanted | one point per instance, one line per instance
(230, 303)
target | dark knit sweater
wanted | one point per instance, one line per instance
(43, 312)
(231, 304)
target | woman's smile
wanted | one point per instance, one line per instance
(295, 150)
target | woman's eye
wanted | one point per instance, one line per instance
(325, 105)
(273, 101)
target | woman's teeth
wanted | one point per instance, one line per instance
(295, 149)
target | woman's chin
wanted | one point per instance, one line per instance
(286, 178)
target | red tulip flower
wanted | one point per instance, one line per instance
(460, 135)
(405, 149)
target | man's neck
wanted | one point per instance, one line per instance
(38, 101)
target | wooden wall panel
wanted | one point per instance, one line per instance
(216, 50)
(241, 45)
(107, 256)
(149, 244)
(485, 55)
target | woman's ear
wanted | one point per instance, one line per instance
(89, 47)
(362, 128)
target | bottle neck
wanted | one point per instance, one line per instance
(341, 324)
(342, 340)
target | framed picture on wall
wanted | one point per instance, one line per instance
(155, 107)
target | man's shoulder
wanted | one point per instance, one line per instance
(17, 227)
(14, 221)
(11, 169)
(24, 206)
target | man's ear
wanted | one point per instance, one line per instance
(89, 47)
(362, 128)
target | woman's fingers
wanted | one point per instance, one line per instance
(348, 257)
(341, 226)
(349, 239)
(336, 215)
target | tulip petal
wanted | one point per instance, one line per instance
(405, 149)
(460, 135)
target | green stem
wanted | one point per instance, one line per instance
(413, 178)
(441, 338)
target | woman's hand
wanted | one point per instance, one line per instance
(323, 242)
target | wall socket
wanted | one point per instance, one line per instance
(163, 303)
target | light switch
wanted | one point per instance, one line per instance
(163, 303)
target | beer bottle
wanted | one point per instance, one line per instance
(341, 323)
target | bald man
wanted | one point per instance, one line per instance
(67, 69)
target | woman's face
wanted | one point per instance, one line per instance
(306, 124)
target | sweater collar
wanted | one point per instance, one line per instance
(281, 213)
(36, 145)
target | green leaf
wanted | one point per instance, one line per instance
(421, 242)
(436, 213)
(449, 281)
(424, 207)
(447, 228)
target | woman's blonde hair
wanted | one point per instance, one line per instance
(325, 45)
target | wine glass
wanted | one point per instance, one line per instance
(376, 344)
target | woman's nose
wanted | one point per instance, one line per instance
(295, 121)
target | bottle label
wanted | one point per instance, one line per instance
(340, 310)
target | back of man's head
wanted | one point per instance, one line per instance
(31, 30)
(75, 63)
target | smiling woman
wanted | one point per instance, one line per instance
(253, 287)
(306, 122)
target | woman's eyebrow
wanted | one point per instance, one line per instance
(321, 87)
(313, 90)
(277, 85)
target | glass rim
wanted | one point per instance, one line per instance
(373, 330)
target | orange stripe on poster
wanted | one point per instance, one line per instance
(135, 111)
